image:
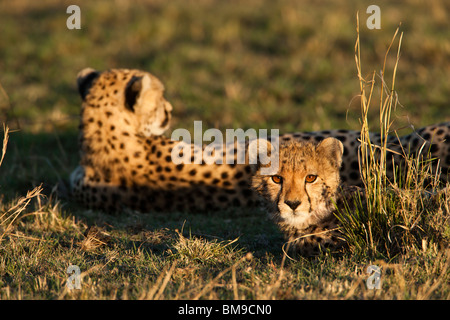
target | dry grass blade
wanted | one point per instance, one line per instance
(94, 238)
(12, 214)
(5, 142)
(285, 247)
(210, 285)
(440, 267)
(158, 288)
(200, 249)
(165, 281)
(234, 283)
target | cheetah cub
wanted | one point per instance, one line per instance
(300, 194)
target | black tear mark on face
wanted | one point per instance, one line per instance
(132, 91)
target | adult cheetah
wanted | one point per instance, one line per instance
(125, 161)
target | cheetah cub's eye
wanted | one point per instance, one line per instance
(310, 178)
(277, 179)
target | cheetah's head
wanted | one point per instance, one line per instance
(139, 96)
(299, 193)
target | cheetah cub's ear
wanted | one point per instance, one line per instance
(331, 149)
(263, 156)
(85, 78)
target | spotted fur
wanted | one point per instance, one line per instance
(432, 141)
(125, 160)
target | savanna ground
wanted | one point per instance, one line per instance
(252, 64)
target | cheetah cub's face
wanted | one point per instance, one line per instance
(299, 194)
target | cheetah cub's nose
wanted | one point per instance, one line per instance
(292, 204)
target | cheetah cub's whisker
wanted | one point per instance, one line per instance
(301, 195)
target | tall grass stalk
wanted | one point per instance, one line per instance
(373, 158)
(394, 215)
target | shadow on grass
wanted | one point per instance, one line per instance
(49, 158)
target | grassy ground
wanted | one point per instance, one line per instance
(253, 64)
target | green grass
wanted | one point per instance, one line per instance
(141, 251)
(255, 64)
(288, 64)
